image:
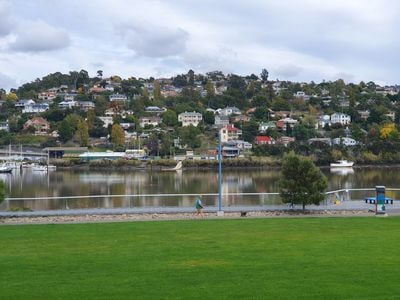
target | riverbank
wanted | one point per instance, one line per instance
(105, 218)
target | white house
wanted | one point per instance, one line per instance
(67, 104)
(107, 121)
(323, 120)
(341, 118)
(227, 111)
(346, 141)
(4, 126)
(301, 95)
(153, 121)
(118, 97)
(155, 109)
(190, 118)
(69, 97)
(264, 126)
(35, 108)
(24, 102)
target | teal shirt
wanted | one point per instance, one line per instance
(199, 204)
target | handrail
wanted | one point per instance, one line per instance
(182, 195)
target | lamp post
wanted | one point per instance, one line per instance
(220, 211)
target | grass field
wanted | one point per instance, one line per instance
(285, 258)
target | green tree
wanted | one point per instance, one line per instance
(118, 136)
(264, 75)
(157, 91)
(189, 136)
(2, 191)
(250, 131)
(66, 131)
(209, 118)
(83, 133)
(301, 181)
(210, 88)
(169, 118)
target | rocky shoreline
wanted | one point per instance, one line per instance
(105, 218)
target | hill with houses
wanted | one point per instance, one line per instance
(252, 115)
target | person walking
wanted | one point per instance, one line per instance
(199, 206)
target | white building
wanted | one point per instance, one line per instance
(107, 121)
(341, 118)
(228, 111)
(190, 118)
(67, 104)
(35, 108)
(4, 126)
(149, 121)
(323, 120)
(346, 141)
(118, 97)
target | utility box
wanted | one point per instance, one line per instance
(380, 200)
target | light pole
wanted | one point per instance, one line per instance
(220, 211)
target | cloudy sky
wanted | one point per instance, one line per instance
(299, 40)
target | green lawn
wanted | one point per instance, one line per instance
(285, 258)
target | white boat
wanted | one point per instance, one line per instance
(5, 169)
(43, 168)
(176, 168)
(342, 164)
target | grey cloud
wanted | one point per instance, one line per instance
(39, 36)
(288, 70)
(5, 20)
(7, 82)
(154, 41)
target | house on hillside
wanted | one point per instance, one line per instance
(285, 140)
(35, 108)
(47, 96)
(67, 104)
(340, 118)
(264, 140)
(283, 124)
(118, 98)
(4, 126)
(107, 121)
(228, 111)
(149, 121)
(264, 126)
(220, 121)
(240, 144)
(41, 126)
(240, 118)
(345, 141)
(24, 102)
(230, 132)
(86, 105)
(155, 109)
(190, 118)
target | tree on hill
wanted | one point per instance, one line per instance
(118, 136)
(301, 181)
(264, 75)
(83, 133)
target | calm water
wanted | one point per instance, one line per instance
(79, 183)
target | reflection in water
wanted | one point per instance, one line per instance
(83, 183)
(342, 171)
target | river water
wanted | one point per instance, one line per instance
(142, 185)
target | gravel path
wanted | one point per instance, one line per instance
(129, 217)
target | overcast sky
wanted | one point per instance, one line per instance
(299, 40)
